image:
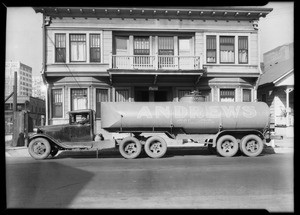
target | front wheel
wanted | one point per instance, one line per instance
(155, 147)
(130, 147)
(39, 148)
(227, 146)
(252, 145)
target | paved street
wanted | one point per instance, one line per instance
(179, 180)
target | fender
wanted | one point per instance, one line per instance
(232, 132)
(47, 137)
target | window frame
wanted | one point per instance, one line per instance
(70, 96)
(70, 50)
(88, 32)
(235, 35)
(234, 51)
(130, 99)
(95, 97)
(65, 48)
(227, 88)
(251, 94)
(51, 99)
(90, 48)
(238, 39)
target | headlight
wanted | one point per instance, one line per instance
(35, 130)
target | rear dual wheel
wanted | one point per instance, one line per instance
(130, 147)
(155, 147)
(251, 145)
(227, 146)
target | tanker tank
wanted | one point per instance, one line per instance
(192, 118)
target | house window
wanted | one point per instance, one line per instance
(122, 95)
(226, 49)
(78, 99)
(243, 49)
(60, 48)
(95, 48)
(57, 110)
(166, 45)
(101, 96)
(141, 46)
(211, 49)
(78, 47)
(227, 95)
(246, 95)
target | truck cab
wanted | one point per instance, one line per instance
(77, 134)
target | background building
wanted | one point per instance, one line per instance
(38, 87)
(148, 54)
(24, 78)
(276, 88)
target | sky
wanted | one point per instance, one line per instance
(24, 33)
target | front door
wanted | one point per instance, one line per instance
(143, 94)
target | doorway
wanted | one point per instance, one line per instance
(143, 94)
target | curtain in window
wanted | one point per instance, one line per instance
(246, 95)
(227, 95)
(101, 96)
(211, 47)
(95, 47)
(166, 45)
(141, 46)
(57, 103)
(122, 95)
(79, 99)
(60, 48)
(227, 49)
(243, 49)
(78, 47)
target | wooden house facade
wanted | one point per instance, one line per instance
(147, 54)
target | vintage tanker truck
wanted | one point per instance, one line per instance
(225, 127)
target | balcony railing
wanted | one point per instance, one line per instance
(156, 62)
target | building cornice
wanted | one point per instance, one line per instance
(204, 13)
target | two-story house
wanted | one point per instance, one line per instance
(148, 54)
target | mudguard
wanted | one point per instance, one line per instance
(57, 143)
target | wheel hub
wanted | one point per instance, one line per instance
(39, 148)
(156, 147)
(130, 148)
(252, 146)
(227, 146)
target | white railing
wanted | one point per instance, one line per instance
(163, 62)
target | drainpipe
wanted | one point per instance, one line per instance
(255, 25)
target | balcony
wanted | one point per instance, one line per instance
(155, 62)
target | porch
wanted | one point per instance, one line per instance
(155, 62)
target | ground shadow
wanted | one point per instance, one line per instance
(44, 184)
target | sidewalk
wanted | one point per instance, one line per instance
(285, 145)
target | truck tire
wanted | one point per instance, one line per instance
(251, 145)
(155, 147)
(39, 148)
(227, 146)
(130, 147)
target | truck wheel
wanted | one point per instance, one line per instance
(227, 146)
(130, 147)
(39, 148)
(252, 145)
(155, 147)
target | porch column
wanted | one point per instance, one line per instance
(287, 91)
